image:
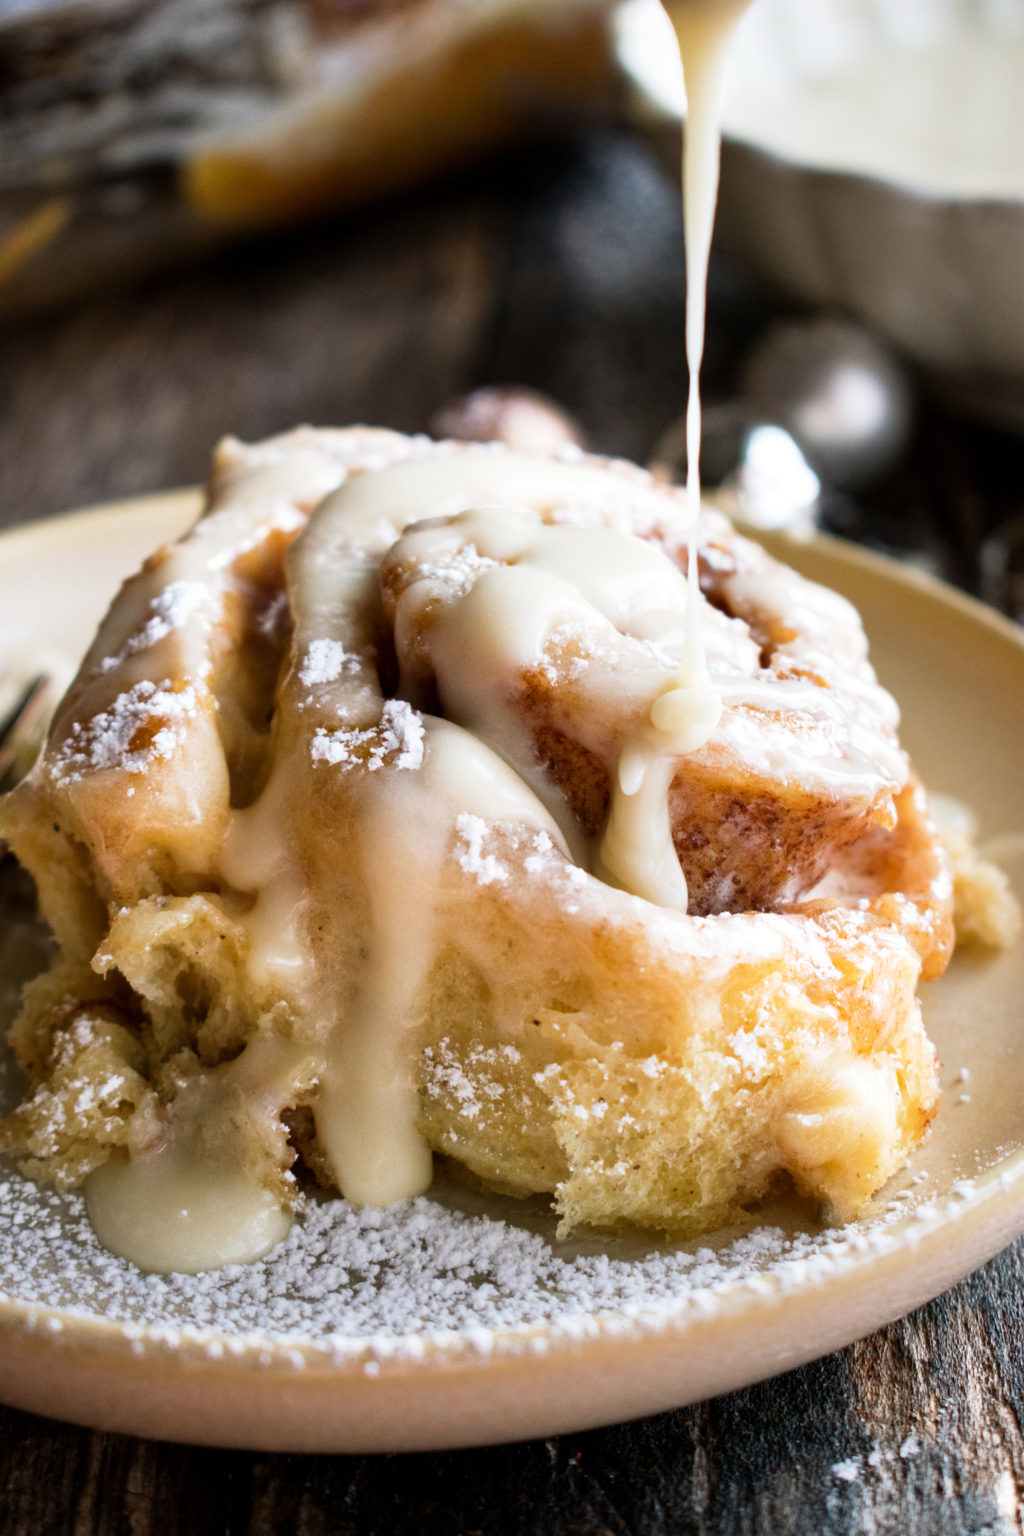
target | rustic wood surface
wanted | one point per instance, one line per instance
(562, 270)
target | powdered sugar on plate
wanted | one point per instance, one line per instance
(370, 1276)
(458, 1269)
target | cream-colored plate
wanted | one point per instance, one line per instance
(459, 1320)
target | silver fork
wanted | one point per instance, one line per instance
(23, 727)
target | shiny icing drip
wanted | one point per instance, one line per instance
(624, 603)
(689, 712)
(366, 1108)
(183, 1207)
(702, 29)
(180, 1212)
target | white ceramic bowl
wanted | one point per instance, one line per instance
(908, 210)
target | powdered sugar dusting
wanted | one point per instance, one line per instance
(397, 742)
(544, 851)
(448, 1079)
(372, 1284)
(170, 609)
(486, 868)
(457, 568)
(140, 725)
(325, 661)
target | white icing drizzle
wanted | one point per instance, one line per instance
(413, 776)
(702, 30)
(256, 858)
(183, 1207)
(524, 582)
(376, 508)
(178, 1207)
(636, 850)
(176, 1211)
(689, 712)
(366, 1107)
(540, 576)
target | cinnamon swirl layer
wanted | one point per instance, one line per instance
(389, 814)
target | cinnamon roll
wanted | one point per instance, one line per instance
(419, 802)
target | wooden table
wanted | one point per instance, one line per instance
(562, 269)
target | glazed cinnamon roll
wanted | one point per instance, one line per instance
(420, 801)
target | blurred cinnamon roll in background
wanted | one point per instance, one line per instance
(133, 132)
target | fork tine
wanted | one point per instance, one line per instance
(22, 729)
